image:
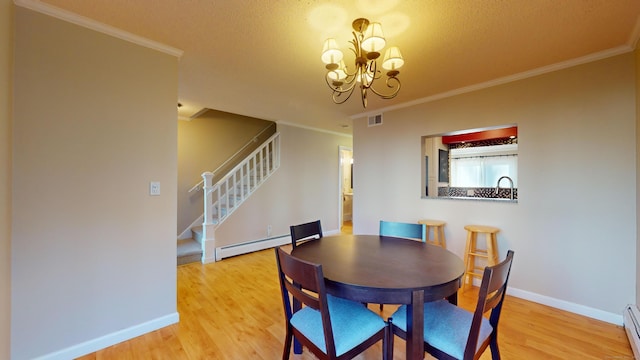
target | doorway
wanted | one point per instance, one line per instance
(346, 190)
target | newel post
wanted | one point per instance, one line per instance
(208, 236)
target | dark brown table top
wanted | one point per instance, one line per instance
(379, 269)
(387, 270)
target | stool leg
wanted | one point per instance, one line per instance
(442, 241)
(469, 259)
(492, 248)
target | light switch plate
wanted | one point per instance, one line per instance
(154, 188)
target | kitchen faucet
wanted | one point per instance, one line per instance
(511, 186)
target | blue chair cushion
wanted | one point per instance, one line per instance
(446, 326)
(351, 322)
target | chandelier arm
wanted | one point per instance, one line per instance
(394, 93)
(356, 42)
(337, 91)
(335, 96)
(340, 89)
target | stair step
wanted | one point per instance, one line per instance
(189, 251)
(197, 233)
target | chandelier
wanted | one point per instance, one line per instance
(368, 41)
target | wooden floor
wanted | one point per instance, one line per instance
(232, 310)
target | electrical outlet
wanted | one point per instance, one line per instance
(154, 188)
(470, 192)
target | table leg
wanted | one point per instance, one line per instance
(415, 327)
(453, 298)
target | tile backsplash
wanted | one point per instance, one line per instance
(483, 193)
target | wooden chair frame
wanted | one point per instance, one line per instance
(307, 231)
(304, 281)
(490, 298)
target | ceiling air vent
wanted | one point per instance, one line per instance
(375, 120)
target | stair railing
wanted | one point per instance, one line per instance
(225, 196)
(198, 186)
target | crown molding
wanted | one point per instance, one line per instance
(314, 129)
(511, 78)
(74, 18)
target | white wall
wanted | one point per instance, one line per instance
(573, 229)
(6, 55)
(93, 255)
(305, 188)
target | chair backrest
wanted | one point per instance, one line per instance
(306, 231)
(305, 282)
(404, 230)
(490, 297)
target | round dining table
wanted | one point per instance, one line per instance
(387, 270)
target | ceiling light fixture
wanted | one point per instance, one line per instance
(368, 41)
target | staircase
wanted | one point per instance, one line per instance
(225, 196)
(190, 250)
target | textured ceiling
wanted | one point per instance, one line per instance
(262, 58)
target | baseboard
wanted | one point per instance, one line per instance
(631, 316)
(567, 306)
(256, 245)
(245, 248)
(102, 342)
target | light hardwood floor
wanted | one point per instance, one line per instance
(232, 310)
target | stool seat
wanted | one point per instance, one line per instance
(438, 232)
(472, 252)
(482, 228)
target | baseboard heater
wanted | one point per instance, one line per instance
(631, 321)
(251, 246)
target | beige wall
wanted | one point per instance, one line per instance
(637, 53)
(574, 227)
(6, 52)
(305, 188)
(205, 143)
(93, 255)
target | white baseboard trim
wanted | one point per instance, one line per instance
(631, 318)
(102, 342)
(567, 306)
(251, 246)
(256, 245)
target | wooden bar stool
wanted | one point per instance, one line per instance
(471, 252)
(438, 232)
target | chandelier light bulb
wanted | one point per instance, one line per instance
(365, 77)
(331, 54)
(373, 38)
(392, 59)
(338, 74)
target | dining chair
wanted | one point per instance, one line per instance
(330, 327)
(307, 231)
(451, 332)
(404, 230)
